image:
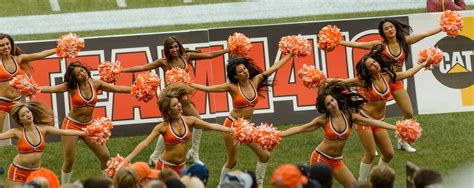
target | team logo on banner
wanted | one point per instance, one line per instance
(455, 71)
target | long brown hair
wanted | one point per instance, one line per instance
(347, 100)
(167, 45)
(176, 90)
(16, 51)
(41, 113)
(402, 30)
(253, 69)
(70, 77)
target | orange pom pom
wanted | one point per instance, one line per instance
(109, 72)
(433, 55)
(239, 44)
(24, 84)
(69, 45)
(267, 136)
(408, 130)
(99, 130)
(177, 75)
(451, 23)
(243, 132)
(311, 76)
(295, 44)
(114, 164)
(145, 86)
(329, 37)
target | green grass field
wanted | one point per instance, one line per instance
(442, 147)
(36, 7)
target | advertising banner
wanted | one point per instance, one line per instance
(449, 87)
(286, 101)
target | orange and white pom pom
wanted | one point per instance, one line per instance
(24, 84)
(433, 55)
(150, 79)
(408, 130)
(451, 23)
(177, 75)
(267, 137)
(109, 72)
(239, 44)
(244, 132)
(69, 45)
(99, 130)
(114, 164)
(329, 37)
(311, 76)
(295, 44)
(145, 86)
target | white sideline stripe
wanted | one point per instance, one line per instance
(195, 14)
(54, 5)
(121, 3)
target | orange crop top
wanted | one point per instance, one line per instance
(331, 133)
(5, 75)
(78, 100)
(25, 146)
(400, 58)
(241, 101)
(172, 138)
(375, 94)
(186, 66)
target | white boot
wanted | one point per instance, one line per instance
(260, 173)
(160, 146)
(403, 145)
(381, 162)
(364, 171)
(224, 171)
(65, 177)
(193, 153)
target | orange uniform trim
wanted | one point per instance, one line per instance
(78, 100)
(241, 101)
(162, 164)
(331, 133)
(17, 173)
(172, 138)
(5, 75)
(334, 162)
(25, 146)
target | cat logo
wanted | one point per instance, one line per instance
(456, 69)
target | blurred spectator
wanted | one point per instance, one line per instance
(41, 181)
(98, 182)
(382, 176)
(427, 178)
(288, 176)
(125, 178)
(362, 184)
(192, 182)
(144, 172)
(321, 173)
(174, 183)
(304, 169)
(312, 184)
(198, 170)
(154, 184)
(1, 184)
(442, 5)
(239, 179)
(52, 179)
(167, 174)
